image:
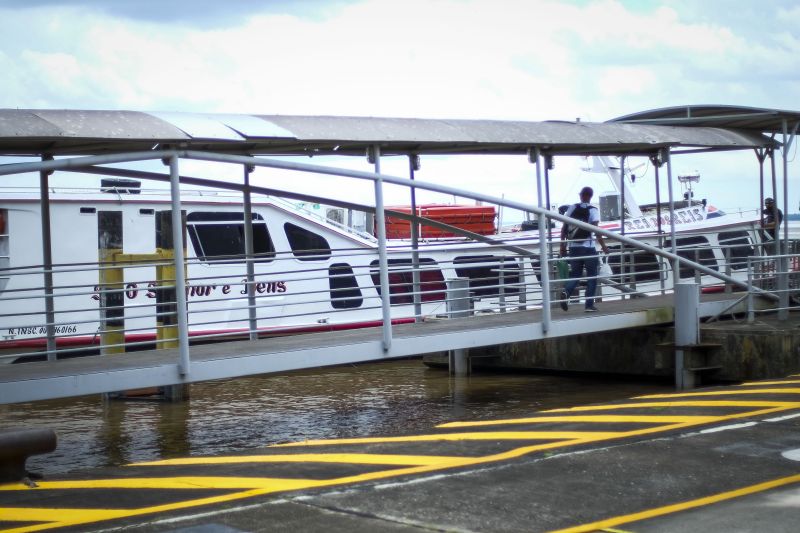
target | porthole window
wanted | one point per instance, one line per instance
(401, 281)
(345, 293)
(694, 249)
(484, 272)
(739, 248)
(639, 265)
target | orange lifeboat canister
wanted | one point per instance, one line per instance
(475, 218)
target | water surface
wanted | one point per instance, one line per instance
(391, 398)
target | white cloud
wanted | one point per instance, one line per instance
(525, 60)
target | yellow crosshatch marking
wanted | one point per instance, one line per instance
(495, 435)
(731, 392)
(240, 487)
(644, 419)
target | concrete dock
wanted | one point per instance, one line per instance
(720, 459)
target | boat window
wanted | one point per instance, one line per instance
(345, 293)
(694, 249)
(738, 242)
(483, 272)
(220, 236)
(639, 265)
(307, 245)
(401, 281)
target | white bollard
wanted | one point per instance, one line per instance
(687, 330)
(458, 305)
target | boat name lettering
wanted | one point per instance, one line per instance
(684, 216)
(42, 330)
(132, 290)
(266, 287)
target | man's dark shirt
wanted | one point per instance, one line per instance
(770, 215)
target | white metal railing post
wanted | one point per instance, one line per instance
(380, 227)
(751, 316)
(47, 262)
(782, 237)
(414, 165)
(249, 255)
(523, 287)
(180, 274)
(728, 269)
(676, 271)
(534, 156)
(501, 296)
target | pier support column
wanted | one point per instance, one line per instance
(687, 331)
(250, 284)
(47, 262)
(374, 154)
(458, 305)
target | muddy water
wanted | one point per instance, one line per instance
(226, 416)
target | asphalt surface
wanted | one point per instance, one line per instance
(719, 459)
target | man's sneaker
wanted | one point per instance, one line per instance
(591, 309)
(564, 303)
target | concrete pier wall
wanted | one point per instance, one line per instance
(766, 349)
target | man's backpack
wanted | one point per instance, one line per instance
(574, 233)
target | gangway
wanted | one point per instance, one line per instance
(98, 374)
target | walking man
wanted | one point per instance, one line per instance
(582, 252)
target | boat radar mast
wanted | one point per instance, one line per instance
(686, 181)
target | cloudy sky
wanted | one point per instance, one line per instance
(500, 59)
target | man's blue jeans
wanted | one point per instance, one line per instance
(581, 257)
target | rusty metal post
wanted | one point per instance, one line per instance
(16, 445)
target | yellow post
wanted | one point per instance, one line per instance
(111, 282)
(166, 295)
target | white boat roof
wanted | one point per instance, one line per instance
(34, 132)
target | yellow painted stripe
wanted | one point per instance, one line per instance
(644, 419)
(40, 514)
(481, 436)
(696, 403)
(347, 458)
(757, 383)
(683, 506)
(727, 392)
(184, 482)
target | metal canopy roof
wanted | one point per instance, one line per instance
(35, 132)
(720, 116)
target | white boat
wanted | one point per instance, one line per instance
(311, 273)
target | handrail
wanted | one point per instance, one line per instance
(420, 184)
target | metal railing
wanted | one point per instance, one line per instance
(517, 271)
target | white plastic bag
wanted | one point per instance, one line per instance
(604, 270)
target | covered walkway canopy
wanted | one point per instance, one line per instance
(31, 132)
(755, 119)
